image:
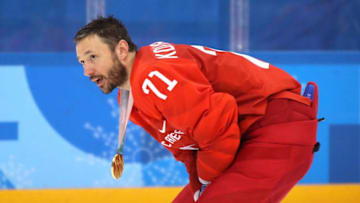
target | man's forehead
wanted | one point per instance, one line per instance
(89, 44)
(87, 41)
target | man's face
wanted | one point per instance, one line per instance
(100, 63)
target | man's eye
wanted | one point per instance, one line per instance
(82, 61)
(92, 56)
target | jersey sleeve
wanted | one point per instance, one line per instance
(188, 158)
(185, 98)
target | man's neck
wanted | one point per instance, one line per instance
(129, 66)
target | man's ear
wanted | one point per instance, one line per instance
(122, 50)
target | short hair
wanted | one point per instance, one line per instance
(109, 29)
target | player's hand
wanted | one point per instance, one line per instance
(199, 192)
(193, 176)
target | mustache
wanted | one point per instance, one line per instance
(96, 77)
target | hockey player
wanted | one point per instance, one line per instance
(240, 125)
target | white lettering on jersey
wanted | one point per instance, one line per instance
(166, 56)
(148, 84)
(253, 60)
(159, 48)
(202, 48)
(163, 130)
(189, 147)
(171, 138)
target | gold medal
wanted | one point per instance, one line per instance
(117, 166)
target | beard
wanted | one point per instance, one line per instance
(117, 76)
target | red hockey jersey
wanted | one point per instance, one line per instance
(197, 98)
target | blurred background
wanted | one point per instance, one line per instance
(58, 131)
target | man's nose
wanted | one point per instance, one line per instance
(88, 70)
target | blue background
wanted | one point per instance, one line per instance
(57, 130)
(43, 25)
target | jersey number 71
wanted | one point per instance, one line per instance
(148, 85)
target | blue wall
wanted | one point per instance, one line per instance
(304, 25)
(59, 131)
(43, 25)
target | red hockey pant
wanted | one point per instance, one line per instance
(274, 155)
